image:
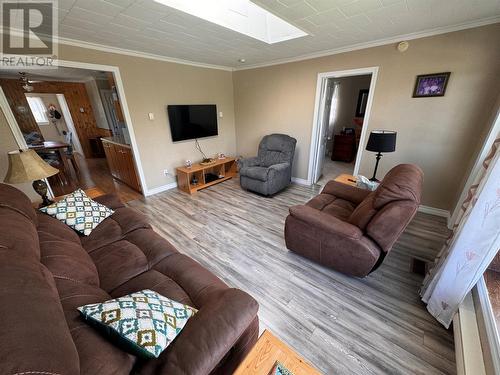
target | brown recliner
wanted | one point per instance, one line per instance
(350, 229)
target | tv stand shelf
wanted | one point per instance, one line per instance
(224, 169)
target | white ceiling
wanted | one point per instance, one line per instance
(147, 26)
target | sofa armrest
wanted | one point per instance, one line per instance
(248, 162)
(325, 222)
(351, 193)
(209, 335)
(109, 200)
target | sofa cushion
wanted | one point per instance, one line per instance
(145, 321)
(124, 221)
(257, 173)
(17, 201)
(156, 281)
(78, 211)
(118, 262)
(96, 354)
(20, 235)
(403, 182)
(34, 335)
(329, 204)
(364, 212)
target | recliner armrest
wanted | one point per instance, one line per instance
(325, 222)
(351, 193)
(279, 168)
(209, 335)
(248, 162)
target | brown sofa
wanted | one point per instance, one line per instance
(47, 271)
(351, 230)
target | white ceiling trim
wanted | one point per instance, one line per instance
(377, 43)
(128, 52)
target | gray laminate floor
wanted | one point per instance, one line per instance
(342, 325)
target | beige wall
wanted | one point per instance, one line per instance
(149, 86)
(439, 134)
(8, 143)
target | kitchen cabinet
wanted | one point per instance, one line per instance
(121, 163)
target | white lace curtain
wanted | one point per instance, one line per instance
(473, 244)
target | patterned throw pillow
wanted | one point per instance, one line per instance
(79, 212)
(144, 322)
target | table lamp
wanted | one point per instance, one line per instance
(381, 141)
(26, 166)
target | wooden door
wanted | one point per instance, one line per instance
(128, 163)
(109, 150)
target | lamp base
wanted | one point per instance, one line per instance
(374, 178)
(41, 188)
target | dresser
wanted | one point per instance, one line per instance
(344, 147)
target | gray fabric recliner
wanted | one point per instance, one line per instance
(271, 170)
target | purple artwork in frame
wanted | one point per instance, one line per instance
(429, 85)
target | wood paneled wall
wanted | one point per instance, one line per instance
(14, 92)
(76, 97)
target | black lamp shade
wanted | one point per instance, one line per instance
(382, 141)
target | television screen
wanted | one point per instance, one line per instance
(192, 121)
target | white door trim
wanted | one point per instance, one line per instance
(316, 128)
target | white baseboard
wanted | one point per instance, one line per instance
(301, 181)
(161, 189)
(435, 211)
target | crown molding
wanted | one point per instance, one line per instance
(323, 53)
(377, 43)
(144, 55)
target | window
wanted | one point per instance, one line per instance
(242, 16)
(38, 109)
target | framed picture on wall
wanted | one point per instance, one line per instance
(429, 85)
(362, 100)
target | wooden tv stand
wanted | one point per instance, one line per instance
(224, 169)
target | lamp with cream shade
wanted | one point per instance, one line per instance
(27, 165)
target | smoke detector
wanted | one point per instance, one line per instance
(403, 46)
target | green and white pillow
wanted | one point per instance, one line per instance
(144, 322)
(78, 211)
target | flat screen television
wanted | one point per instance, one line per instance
(192, 121)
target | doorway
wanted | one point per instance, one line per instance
(60, 113)
(341, 115)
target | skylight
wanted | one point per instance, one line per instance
(242, 16)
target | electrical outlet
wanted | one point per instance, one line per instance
(165, 172)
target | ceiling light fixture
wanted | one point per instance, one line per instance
(25, 82)
(241, 16)
(241, 60)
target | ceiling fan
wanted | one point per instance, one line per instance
(27, 83)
